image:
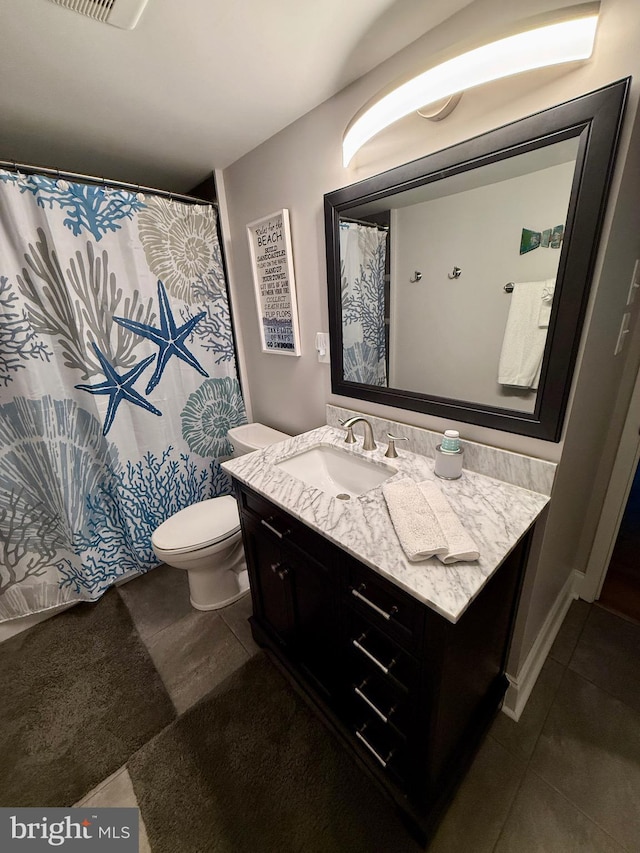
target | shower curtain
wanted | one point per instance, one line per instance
(362, 261)
(117, 382)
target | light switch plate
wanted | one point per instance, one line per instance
(635, 284)
(622, 334)
(322, 347)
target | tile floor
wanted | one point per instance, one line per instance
(565, 778)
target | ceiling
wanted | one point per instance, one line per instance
(197, 84)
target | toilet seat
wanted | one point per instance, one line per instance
(198, 526)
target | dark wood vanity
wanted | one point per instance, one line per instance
(407, 691)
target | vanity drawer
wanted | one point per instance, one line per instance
(283, 528)
(372, 648)
(386, 606)
(376, 696)
(382, 747)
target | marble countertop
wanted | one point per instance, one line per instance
(496, 514)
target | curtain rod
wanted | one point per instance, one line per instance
(364, 222)
(11, 165)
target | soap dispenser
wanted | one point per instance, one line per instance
(449, 456)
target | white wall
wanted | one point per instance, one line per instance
(297, 166)
(447, 333)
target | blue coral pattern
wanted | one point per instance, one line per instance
(116, 395)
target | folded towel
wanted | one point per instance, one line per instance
(415, 523)
(460, 546)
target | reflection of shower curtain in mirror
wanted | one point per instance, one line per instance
(362, 263)
(117, 382)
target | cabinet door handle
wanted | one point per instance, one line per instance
(375, 753)
(358, 692)
(277, 569)
(381, 666)
(273, 529)
(358, 594)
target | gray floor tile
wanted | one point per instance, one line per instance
(589, 750)
(236, 617)
(568, 635)
(115, 791)
(608, 654)
(543, 821)
(157, 599)
(521, 737)
(195, 654)
(482, 802)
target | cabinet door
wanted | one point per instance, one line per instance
(317, 630)
(270, 580)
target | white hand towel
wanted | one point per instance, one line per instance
(546, 302)
(524, 339)
(415, 523)
(460, 545)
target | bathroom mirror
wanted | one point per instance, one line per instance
(458, 283)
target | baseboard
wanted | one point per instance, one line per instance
(520, 687)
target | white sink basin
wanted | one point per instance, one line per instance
(336, 472)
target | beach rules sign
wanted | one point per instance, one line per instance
(274, 282)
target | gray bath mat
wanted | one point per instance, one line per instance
(79, 694)
(249, 769)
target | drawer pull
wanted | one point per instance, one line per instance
(358, 692)
(375, 753)
(273, 529)
(361, 648)
(358, 594)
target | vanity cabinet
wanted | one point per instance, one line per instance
(294, 588)
(410, 693)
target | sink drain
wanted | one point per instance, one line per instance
(343, 496)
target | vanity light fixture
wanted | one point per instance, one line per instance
(569, 40)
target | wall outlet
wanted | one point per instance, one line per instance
(322, 347)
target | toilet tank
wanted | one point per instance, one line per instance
(250, 437)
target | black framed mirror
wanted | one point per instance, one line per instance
(458, 283)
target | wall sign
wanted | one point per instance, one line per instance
(274, 282)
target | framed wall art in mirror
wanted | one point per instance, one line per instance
(457, 283)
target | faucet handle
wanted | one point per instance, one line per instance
(391, 449)
(350, 437)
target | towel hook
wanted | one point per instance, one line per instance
(416, 277)
(508, 288)
(455, 273)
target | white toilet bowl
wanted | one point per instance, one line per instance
(205, 539)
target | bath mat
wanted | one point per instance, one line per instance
(250, 769)
(79, 694)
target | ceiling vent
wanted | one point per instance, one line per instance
(119, 13)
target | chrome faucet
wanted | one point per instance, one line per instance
(368, 443)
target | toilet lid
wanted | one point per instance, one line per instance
(199, 525)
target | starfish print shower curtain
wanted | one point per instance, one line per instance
(118, 382)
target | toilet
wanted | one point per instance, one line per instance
(205, 538)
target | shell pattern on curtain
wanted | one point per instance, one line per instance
(118, 382)
(362, 262)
